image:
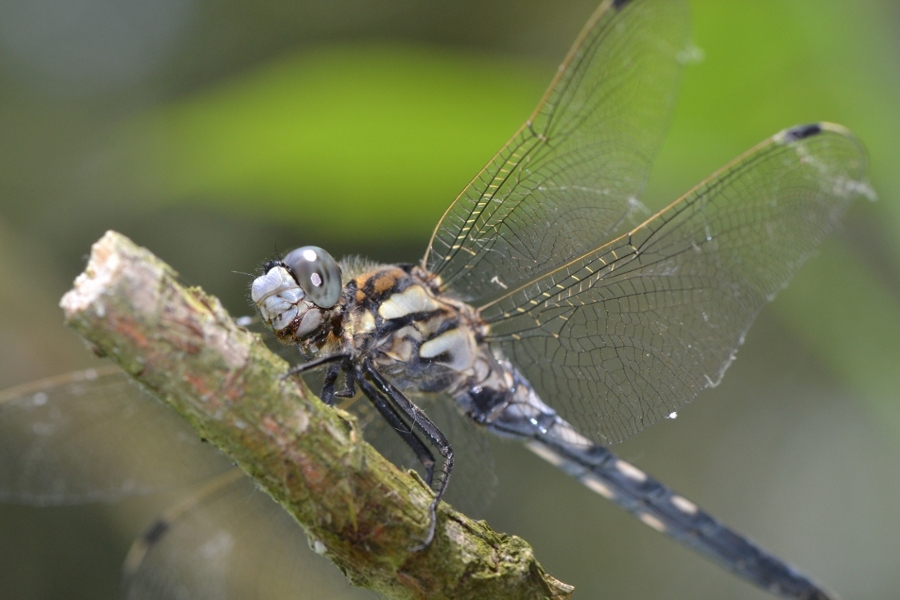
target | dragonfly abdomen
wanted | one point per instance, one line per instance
(656, 505)
(507, 404)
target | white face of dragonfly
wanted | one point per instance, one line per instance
(296, 293)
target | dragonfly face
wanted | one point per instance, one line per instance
(295, 294)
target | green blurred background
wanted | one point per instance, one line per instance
(216, 133)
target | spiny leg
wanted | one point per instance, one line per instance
(327, 396)
(312, 364)
(395, 420)
(387, 411)
(427, 427)
(349, 385)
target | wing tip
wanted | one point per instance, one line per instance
(801, 132)
(810, 130)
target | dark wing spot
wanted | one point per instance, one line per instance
(802, 131)
(155, 532)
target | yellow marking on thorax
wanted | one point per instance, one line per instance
(413, 299)
(456, 344)
(404, 341)
(362, 322)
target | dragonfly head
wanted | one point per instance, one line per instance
(296, 294)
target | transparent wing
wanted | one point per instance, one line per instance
(621, 337)
(230, 540)
(94, 436)
(577, 164)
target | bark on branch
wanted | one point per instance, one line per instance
(185, 348)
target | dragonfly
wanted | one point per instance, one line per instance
(545, 317)
(545, 311)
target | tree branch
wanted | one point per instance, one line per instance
(366, 514)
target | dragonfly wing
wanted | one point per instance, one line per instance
(626, 334)
(94, 436)
(578, 163)
(230, 540)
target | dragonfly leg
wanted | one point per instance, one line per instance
(395, 420)
(425, 426)
(331, 375)
(328, 394)
(312, 364)
(349, 389)
(390, 402)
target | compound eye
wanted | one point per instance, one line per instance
(317, 273)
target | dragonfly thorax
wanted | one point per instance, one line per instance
(395, 317)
